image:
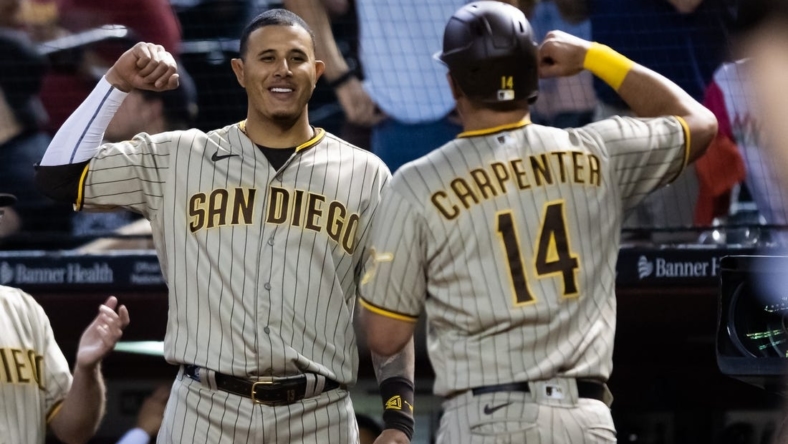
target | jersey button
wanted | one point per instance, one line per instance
(271, 241)
(267, 286)
(267, 330)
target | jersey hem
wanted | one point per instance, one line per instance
(387, 313)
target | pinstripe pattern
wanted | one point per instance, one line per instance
(261, 265)
(202, 415)
(27, 396)
(442, 231)
(522, 419)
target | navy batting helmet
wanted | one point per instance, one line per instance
(490, 51)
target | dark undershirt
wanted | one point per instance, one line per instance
(277, 156)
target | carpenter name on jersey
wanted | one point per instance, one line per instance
(497, 178)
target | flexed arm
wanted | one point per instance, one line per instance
(647, 93)
(145, 66)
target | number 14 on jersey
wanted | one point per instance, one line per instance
(554, 255)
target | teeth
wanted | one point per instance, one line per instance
(281, 90)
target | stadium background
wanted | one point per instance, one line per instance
(667, 382)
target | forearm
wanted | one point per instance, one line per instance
(314, 13)
(80, 137)
(400, 364)
(649, 94)
(83, 408)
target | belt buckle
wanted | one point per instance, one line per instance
(266, 382)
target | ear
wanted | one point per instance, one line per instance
(456, 92)
(238, 69)
(320, 67)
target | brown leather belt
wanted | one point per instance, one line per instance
(585, 389)
(266, 390)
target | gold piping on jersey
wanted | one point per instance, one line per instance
(319, 133)
(687, 141)
(495, 129)
(389, 314)
(54, 411)
(81, 189)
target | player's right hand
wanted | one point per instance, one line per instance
(359, 108)
(102, 334)
(144, 66)
(561, 54)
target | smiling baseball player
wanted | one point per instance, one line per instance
(260, 227)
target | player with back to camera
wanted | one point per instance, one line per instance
(513, 231)
(260, 228)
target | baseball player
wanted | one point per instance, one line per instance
(36, 386)
(259, 227)
(507, 237)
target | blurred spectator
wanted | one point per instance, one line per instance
(149, 417)
(739, 147)
(763, 30)
(405, 96)
(763, 37)
(368, 429)
(22, 143)
(564, 102)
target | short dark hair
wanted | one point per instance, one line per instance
(278, 17)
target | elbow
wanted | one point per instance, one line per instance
(384, 346)
(707, 131)
(60, 182)
(76, 436)
(702, 126)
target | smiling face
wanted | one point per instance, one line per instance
(279, 72)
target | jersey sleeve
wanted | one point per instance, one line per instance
(644, 154)
(394, 281)
(380, 183)
(128, 175)
(57, 376)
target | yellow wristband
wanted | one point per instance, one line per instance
(607, 64)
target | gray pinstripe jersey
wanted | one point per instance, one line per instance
(508, 239)
(261, 265)
(34, 374)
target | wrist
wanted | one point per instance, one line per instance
(397, 394)
(605, 63)
(117, 82)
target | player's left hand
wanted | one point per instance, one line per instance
(392, 436)
(102, 334)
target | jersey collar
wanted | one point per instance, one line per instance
(319, 134)
(495, 129)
